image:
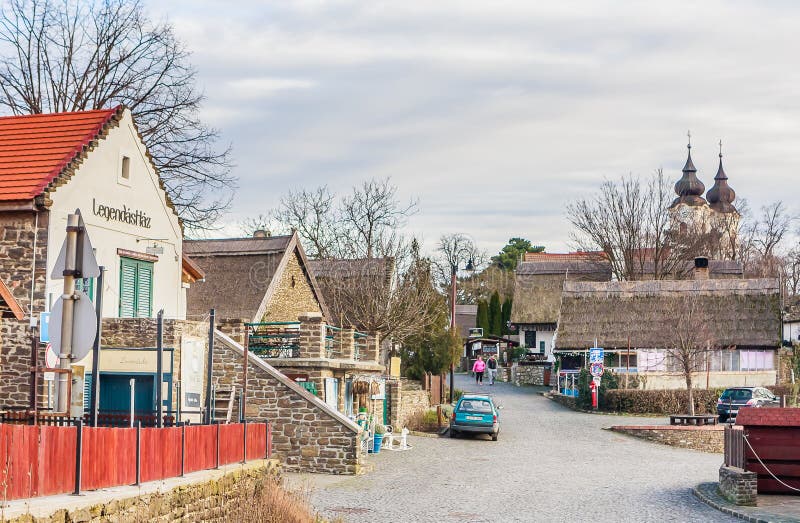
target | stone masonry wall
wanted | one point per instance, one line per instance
(17, 233)
(293, 295)
(405, 398)
(216, 500)
(706, 439)
(738, 486)
(307, 434)
(529, 374)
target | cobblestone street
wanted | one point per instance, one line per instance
(550, 464)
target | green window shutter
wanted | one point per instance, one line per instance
(87, 392)
(127, 288)
(144, 290)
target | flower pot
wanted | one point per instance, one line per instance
(377, 440)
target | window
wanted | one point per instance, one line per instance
(135, 288)
(756, 359)
(530, 338)
(126, 168)
(541, 346)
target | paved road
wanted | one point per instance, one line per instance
(550, 464)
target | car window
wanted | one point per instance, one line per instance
(737, 394)
(475, 406)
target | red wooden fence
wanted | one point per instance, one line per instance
(40, 460)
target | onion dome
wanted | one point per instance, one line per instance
(721, 196)
(689, 188)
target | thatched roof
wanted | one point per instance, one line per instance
(538, 286)
(342, 280)
(241, 274)
(738, 312)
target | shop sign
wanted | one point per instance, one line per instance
(122, 214)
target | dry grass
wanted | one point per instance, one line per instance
(423, 421)
(270, 502)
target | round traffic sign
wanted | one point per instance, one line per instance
(84, 326)
(596, 369)
(50, 357)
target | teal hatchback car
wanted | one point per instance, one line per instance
(475, 414)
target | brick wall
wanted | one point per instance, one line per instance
(707, 439)
(293, 296)
(738, 486)
(17, 233)
(307, 434)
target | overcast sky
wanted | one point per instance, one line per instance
(496, 114)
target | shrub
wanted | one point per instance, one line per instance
(608, 382)
(423, 421)
(660, 401)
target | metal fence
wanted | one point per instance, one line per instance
(360, 348)
(276, 339)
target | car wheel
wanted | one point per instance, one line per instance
(494, 437)
(723, 418)
(453, 433)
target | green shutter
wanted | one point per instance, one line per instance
(87, 392)
(135, 288)
(127, 288)
(144, 290)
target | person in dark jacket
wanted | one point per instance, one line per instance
(492, 366)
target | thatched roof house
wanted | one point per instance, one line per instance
(741, 313)
(262, 278)
(538, 286)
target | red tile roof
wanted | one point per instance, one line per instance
(36, 148)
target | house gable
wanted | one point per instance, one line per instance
(293, 293)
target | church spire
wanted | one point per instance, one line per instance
(721, 196)
(689, 188)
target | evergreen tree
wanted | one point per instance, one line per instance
(495, 315)
(482, 320)
(514, 251)
(506, 309)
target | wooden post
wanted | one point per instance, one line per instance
(78, 456)
(244, 371)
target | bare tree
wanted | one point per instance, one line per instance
(315, 216)
(262, 222)
(371, 217)
(71, 56)
(455, 253)
(628, 221)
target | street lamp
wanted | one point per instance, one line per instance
(453, 271)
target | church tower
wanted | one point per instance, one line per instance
(724, 216)
(689, 211)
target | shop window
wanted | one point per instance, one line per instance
(135, 288)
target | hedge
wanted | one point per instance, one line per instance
(666, 402)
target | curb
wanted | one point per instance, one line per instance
(708, 493)
(423, 434)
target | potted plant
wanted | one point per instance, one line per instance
(377, 438)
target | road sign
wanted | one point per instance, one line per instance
(596, 355)
(86, 259)
(84, 326)
(50, 357)
(44, 327)
(596, 369)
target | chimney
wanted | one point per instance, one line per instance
(261, 233)
(701, 268)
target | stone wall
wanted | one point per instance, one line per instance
(706, 439)
(405, 397)
(738, 486)
(212, 500)
(18, 230)
(529, 374)
(293, 295)
(307, 434)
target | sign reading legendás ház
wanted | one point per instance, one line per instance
(124, 215)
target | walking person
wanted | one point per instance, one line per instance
(492, 365)
(478, 369)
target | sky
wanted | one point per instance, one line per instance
(495, 115)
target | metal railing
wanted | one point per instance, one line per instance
(332, 341)
(274, 339)
(360, 345)
(734, 447)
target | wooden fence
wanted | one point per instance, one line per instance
(734, 447)
(40, 460)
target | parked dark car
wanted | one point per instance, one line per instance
(475, 414)
(734, 398)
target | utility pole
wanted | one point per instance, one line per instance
(70, 270)
(453, 271)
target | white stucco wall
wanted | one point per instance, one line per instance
(98, 181)
(715, 379)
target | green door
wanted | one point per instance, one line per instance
(115, 393)
(135, 288)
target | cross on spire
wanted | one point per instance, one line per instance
(689, 135)
(720, 148)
